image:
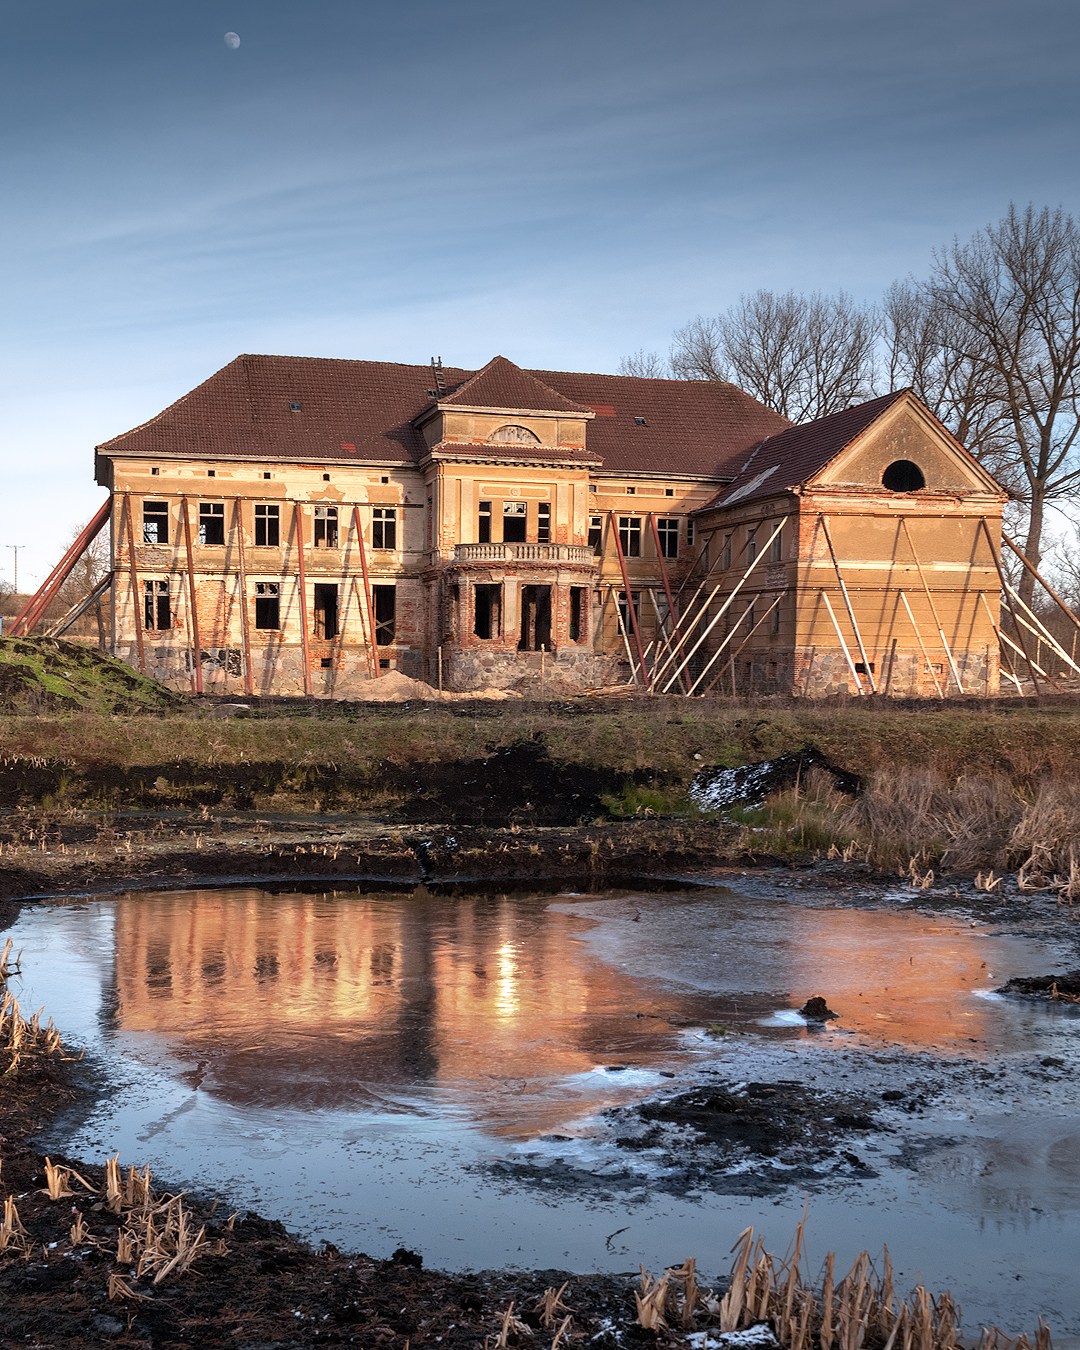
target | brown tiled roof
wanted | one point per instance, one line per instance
(694, 427)
(794, 455)
(501, 384)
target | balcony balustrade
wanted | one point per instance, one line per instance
(579, 555)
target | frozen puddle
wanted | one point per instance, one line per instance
(370, 1067)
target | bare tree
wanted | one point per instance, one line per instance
(1011, 300)
(651, 365)
(803, 356)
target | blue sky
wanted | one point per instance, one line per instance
(562, 183)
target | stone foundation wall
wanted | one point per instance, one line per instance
(540, 673)
(274, 671)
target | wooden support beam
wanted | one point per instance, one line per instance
(39, 602)
(245, 629)
(133, 572)
(79, 608)
(843, 645)
(1002, 640)
(634, 626)
(1042, 582)
(922, 645)
(1005, 592)
(194, 635)
(1039, 630)
(301, 578)
(729, 664)
(725, 606)
(847, 604)
(369, 607)
(673, 614)
(930, 599)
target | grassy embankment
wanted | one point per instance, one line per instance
(951, 788)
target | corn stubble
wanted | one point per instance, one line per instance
(859, 1312)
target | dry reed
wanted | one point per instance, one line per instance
(859, 1312)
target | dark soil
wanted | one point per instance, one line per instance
(1064, 988)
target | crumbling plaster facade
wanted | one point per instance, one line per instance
(498, 529)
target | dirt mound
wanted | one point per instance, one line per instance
(52, 675)
(516, 784)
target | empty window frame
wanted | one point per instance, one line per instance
(326, 610)
(267, 525)
(487, 610)
(155, 522)
(578, 622)
(725, 553)
(211, 522)
(667, 530)
(751, 545)
(596, 533)
(384, 527)
(267, 604)
(483, 528)
(157, 606)
(776, 548)
(384, 599)
(326, 527)
(689, 534)
(625, 622)
(774, 622)
(515, 522)
(535, 619)
(630, 535)
(543, 522)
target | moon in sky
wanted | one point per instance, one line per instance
(232, 40)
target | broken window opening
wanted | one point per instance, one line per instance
(596, 533)
(267, 526)
(326, 527)
(725, 554)
(326, 610)
(667, 529)
(384, 527)
(487, 611)
(624, 611)
(155, 522)
(384, 598)
(751, 545)
(776, 548)
(689, 534)
(535, 619)
(543, 522)
(211, 522)
(515, 522)
(483, 532)
(577, 625)
(267, 604)
(157, 606)
(630, 535)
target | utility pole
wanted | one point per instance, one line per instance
(15, 579)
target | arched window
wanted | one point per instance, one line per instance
(512, 434)
(903, 476)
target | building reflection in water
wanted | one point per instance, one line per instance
(325, 1001)
(393, 1000)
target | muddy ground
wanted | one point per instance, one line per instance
(255, 1286)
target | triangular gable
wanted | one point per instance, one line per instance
(846, 447)
(504, 386)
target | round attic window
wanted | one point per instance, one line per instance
(511, 434)
(903, 476)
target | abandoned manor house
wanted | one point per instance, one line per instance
(301, 526)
